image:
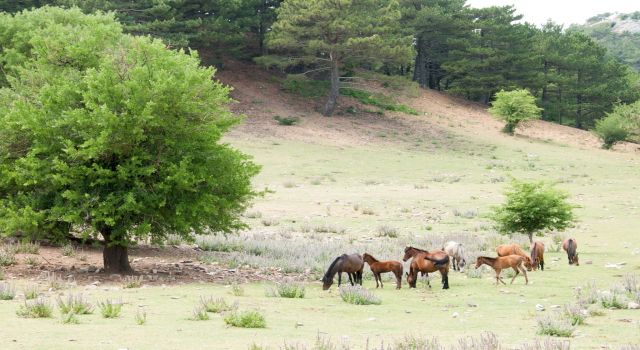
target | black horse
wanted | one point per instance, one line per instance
(352, 264)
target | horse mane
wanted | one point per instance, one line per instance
(326, 275)
(571, 247)
(371, 256)
(461, 252)
(488, 258)
(418, 249)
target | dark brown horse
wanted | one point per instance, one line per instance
(504, 262)
(379, 267)
(426, 262)
(351, 264)
(537, 255)
(570, 246)
(511, 249)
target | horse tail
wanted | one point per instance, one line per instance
(327, 274)
(439, 263)
(571, 247)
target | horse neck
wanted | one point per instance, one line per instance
(332, 270)
(487, 260)
(460, 252)
(370, 259)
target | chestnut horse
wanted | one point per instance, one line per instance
(378, 267)
(570, 246)
(504, 262)
(537, 255)
(514, 249)
(351, 264)
(426, 262)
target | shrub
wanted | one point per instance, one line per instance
(358, 295)
(38, 308)
(7, 256)
(286, 121)
(555, 325)
(31, 292)
(532, 207)
(69, 318)
(28, 248)
(631, 283)
(411, 342)
(54, 281)
(199, 313)
(237, 290)
(75, 305)
(133, 281)
(32, 261)
(611, 129)
(110, 309)
(246, 319)
(287, 289)
(575, 313)
(377, 100)
(513, 107)
(140, 317)
(217, 305)
(68, 250)
(387, 231)
(7, 291)
(613, 299)
(305, 87)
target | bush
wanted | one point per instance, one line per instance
(68, 250)
(513, 107)
(31, 292)
(575, 313)
(199, 313)
(358, 295)
(69, 318)
(555, 325)
(133, 282)
(305, 87)
(287, 289)
(140, 317)
(612, 129)
(246, 319)
(217, 305)
(613, 299)
(7, 291)
(110, 309)
(532, 207)
(381, 101)
(75, 305)
(237, 290)
(28, 248)
(387, 231)
(286, 121)
(7, 256)
(38, 308)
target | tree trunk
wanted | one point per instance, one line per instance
(530, 234)
(115, 257)
(330, 106)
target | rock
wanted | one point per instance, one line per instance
(633, 306)
(371, 319)
(455, 315)
(555, 307)
(555, 259)
(539, 307)
(471, 304)
(95, 283)
(589, 262)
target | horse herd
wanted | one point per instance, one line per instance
(451, 255)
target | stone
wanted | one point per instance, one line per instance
(539, 307)
(455, 315)
(472, 304)
(633, 306)
(555, 307)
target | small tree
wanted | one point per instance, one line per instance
(336, 32)
(112, 135)
(612, 129)
(515, 106)
(532, 207)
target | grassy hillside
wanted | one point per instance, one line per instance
(370, 182)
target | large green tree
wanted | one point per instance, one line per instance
(338, 32)
(111, 135)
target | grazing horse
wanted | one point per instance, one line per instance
(456, 252)
(514, 249)
(351, 264)
(570, 246)
(426, 262)
(537, 255)
(504, 262)
(378, 267)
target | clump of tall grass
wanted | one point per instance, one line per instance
(555, 325)
(631, 283)
(486, 340)
(387, 231)
(412, 342)
(199, 313)
(217, 305)
(32, 261)
(246, 319)
(68, 250)
(140, 317)
(75, 304)
(547, 344)
(358, 295)
(69, 318)
(613, 298)
(110, 309)
(27, 248)
(7, 291)
(31, 292)
(133, 281)
(7, 256)
(237, 289)
(575, 313)
(588, 293)
(287, 289)
(38, 308)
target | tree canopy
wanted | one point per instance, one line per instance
(514, 107)
(111, 135)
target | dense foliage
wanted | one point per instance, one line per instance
(532, 207)
(112, 135)
(622, 124)
(513, 107)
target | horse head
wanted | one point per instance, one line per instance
(527, 263)
(411, 279)
(408, 253)
(462, 263)
(479, 262)
(575, 260)
(326, 282)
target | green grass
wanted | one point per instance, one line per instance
(377, 100)
(246, 319)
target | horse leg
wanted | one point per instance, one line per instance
(516, 275)
(351, 280)
(445, 279)
(542, 264)
(380, 278)
(398, 279)
(360, 276)
(339, 278)
(524, 271)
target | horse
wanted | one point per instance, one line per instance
(456, 253)
(504, 262)
(537, 255)
(514, 249)
(352, 264)
(378, 267)
(426, 262)
(570, 246)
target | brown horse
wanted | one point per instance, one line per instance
(504, 262)
(537, 255)
(426, 262)
(571, 246)
(378, 267)
(351, 264)
(514, 249)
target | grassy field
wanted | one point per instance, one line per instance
(416, 190)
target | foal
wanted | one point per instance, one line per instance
(504, 262)
(378, 267)
(511, 249)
